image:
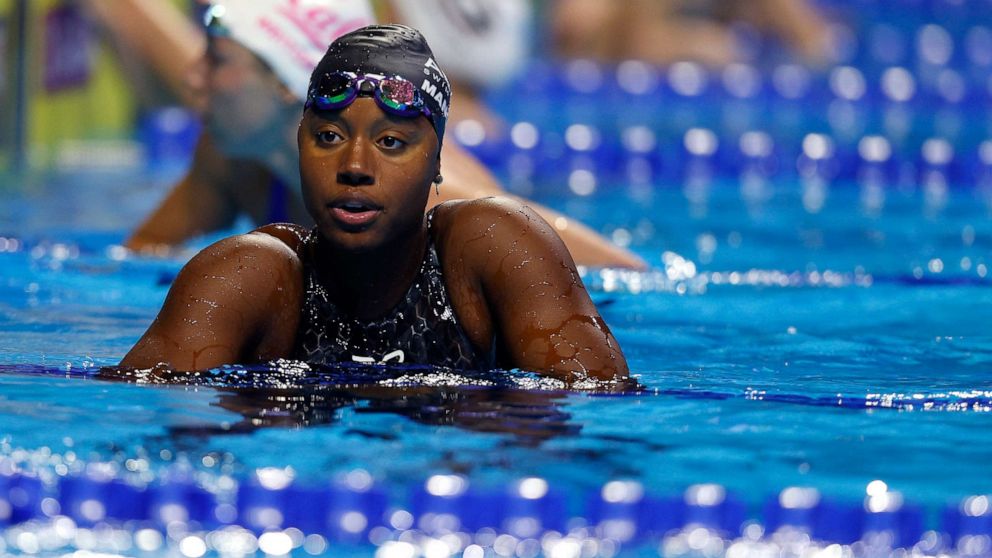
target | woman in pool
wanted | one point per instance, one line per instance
(473, 285)
(259, 58)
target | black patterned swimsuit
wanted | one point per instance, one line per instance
(421, 329)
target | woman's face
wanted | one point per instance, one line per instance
(366, 174)
(246, 101)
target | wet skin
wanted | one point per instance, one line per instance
(366, 179)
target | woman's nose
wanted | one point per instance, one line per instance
(356, 169)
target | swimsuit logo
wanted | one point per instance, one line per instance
(397, 357)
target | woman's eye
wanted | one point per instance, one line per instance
(390, 142)
(326, 136)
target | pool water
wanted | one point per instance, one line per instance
(776, 347)
(811, 345)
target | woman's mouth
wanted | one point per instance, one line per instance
(354, 214)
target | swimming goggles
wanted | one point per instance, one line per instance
(395, 95)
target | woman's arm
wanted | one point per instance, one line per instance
(201, 202)
(542, 316)
(237, 301)
(161, 35)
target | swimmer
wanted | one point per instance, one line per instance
(473, 285)
(259, 57)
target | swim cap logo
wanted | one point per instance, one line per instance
(436, 85)
(433, 65)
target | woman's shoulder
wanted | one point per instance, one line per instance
(248, 273)
(291, 235)
(481, 213)
(482, 229)
(273, 248)
(493, 217)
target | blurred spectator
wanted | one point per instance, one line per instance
(480, 43)
(664, 31)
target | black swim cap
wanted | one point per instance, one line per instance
(392, 50)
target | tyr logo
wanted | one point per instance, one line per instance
(431, 64)
(396, 356)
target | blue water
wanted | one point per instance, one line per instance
(840, 356)
(816, 314)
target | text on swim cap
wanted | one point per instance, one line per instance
(432, 90)
(435, 75)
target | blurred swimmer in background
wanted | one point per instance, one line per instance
(666, 31)
(473, 285)
(259, 55)
(465, 32)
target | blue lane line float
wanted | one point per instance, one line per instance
(354, 510)
(21, 498)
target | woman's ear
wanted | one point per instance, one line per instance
(438, 179)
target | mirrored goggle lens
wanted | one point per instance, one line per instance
(334, 91)
(399, 95)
